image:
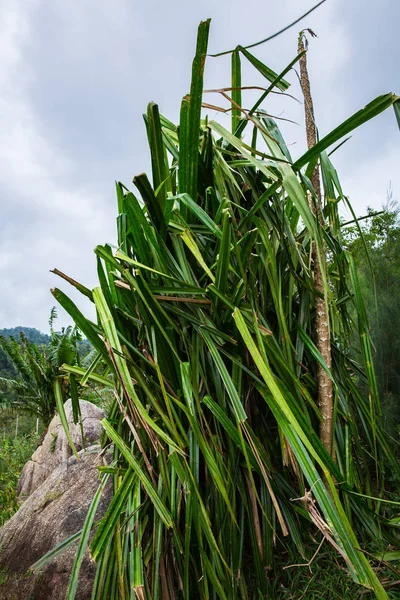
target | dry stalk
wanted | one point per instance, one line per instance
(322, 332)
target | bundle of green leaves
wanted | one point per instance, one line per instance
(206, 317)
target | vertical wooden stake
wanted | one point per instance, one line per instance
(322, 330)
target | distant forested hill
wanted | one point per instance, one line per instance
(33, 335)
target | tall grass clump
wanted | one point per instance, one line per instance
(206, 320)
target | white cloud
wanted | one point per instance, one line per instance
(367, 182)
(52, 222)
(74, 81)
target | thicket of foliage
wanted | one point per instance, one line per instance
(377, 257)
(28, 396)
(206, 316)
(14, 453)
(36, 337)
(32, 334)
(32, 370)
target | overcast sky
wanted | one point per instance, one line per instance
(76, 76)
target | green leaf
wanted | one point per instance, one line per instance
(396, 107)
(83, 541)
(62, 415)
(123, 372)
(190, 242)
(87, 328)
(199, 213)
(87, 374)
(345, 537)
(117, 506)
(268, 73)
(371, 110)
(236, 90)
(237, 405)
(134, 464)
(55, 552)
(190, 118)
(159, 167)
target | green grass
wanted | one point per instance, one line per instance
(9, 427)
(326, 578)
(14, 453)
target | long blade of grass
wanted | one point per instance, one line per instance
(84, 540)
(134, 464)
(63, 416)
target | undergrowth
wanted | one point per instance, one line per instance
(14, 453)
(326, 578)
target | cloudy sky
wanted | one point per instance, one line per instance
(76, 76)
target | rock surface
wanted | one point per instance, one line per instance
(55, 448)
(53, 512)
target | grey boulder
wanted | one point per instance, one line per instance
(55, 448)
(53, 512)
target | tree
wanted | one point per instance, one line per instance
(35, 368)
(32, 334)
(377, 257)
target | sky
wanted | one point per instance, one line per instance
(76, 77)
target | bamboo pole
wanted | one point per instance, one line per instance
(322, 331)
